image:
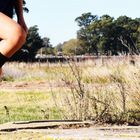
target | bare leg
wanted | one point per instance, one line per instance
(12, 34)
(12, 38)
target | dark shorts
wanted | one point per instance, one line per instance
(6, 7)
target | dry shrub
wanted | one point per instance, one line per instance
(113, 100)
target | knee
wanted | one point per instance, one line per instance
(17, 36)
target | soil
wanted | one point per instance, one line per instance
(93, 133)
(16, 86)
(71, 130)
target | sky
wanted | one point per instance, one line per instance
(56, 18)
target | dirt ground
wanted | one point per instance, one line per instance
(23, 85)
(91, 133)
(59, 130)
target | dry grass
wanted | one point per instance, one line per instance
(102, 90)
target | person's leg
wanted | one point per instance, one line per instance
(12, 37)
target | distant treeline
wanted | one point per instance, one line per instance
(96, 36)
(105, 36)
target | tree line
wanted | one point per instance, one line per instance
(105, 36)
(96, 36)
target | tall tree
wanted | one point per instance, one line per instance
(108, 36)
(107, 41)
(85, 34)
(34, 41)
(46, 47)
(129, 33)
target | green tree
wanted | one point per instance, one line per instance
(58, 49)
(86, 35)
(46, 47)
(85, 20)
(107, 36)
(138, 34)
(128, 33)
(71, 47)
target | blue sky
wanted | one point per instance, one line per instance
(55, 18)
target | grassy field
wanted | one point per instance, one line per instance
(99, 90)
